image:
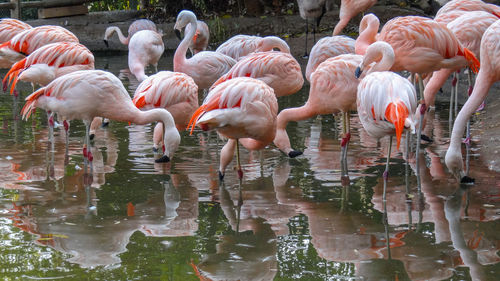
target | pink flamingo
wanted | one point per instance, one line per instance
(328, 47)
(279, 70)
(239, 46)
(174, 91)
(386, 104)
(49, 62)
(488, 74)
(10, 28)
(468, 5)
(242, 109)
(469, 29)
(204, 67)
(137, 25)
(200, 39)
(333, 89)
(31, 39)
(349, 9)
(145, 47)
(87, 94)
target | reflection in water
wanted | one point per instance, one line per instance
(291, 218)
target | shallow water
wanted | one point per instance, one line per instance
(294, 219)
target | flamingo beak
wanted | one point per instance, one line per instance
(106, 43)
(178, 34)
(358, 72)
(163, 159)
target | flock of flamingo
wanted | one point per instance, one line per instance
(246, 74)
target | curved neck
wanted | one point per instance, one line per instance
(112, 29)
(180, 53)
(382, 54)
(150, 116)
(367, 35)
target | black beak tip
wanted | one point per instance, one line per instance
(91, 136)
(467, 180)
(178, 34)
(163, 159)
(106, 43)
(221, 176)
(294, 153)
(358, 72)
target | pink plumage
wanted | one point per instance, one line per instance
(468, 5)
(239, 46)
(328, 47)
(279, 70)
(200, 39)
(174, 91)
(10, 28)
(241, 109)
(469, 29)
(136, 26)
(49, 62)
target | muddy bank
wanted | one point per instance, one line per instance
(90, 28)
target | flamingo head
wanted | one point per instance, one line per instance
(454, 162)
(183, 18)
(171, 141)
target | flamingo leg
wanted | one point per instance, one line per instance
(456, 95)
(305, 50)
(467, 138)
(452, 97)
(66, 151)
(238, 163)
(420, 126)
(386, 172)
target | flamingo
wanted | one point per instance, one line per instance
(145, 47)
(488, 74)
(469, 29)
(313, 9)
(174, 91)
(239, 46)
(137, 25)
(10, 28)
(333, 89)
(328, 47)
(49, 62)
(468, 5)
(204, 67)
(86, 94)
(200, 39)
(31, 39)
(386, 104)
(242, 109)
(279, 70)
(349, 9)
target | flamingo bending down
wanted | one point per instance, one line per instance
(200, 39)
(488, 74)
(349, 9)
(145, 47)
(386, 105)
(313, 9)
(239, 46)
(279, 70)
(328, 47)
(204, 67)
(137, 25)
(242, 109)
(31, 39)
(469, 29)
(10, 28)
(333, 89)
(87, 94)
(468, 5)
(174, 91)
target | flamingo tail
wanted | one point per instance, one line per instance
(29, 106)
(396, 113)
(474, 62)
(139, 101)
